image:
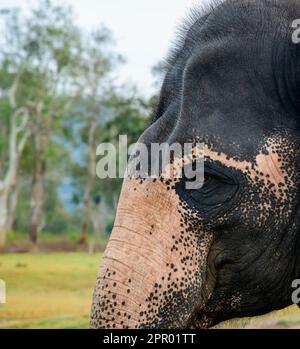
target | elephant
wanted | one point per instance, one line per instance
(183, 258)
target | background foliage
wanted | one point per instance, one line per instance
(58, 101)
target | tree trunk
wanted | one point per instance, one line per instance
(41, 139)
(86, 212)
(37, 199)
(3, 217)
(97, 222)
(89, 183)
(12, 207)
(16, 147)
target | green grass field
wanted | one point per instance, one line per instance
(48, 290)
(55, 291)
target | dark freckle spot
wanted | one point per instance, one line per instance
(123, 303)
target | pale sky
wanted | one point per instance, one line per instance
(143, 30)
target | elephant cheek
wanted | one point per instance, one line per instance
(154, 270)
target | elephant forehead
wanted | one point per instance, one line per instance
(151, 196)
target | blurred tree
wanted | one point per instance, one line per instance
(53, 43)
(15, 120)
(119, 115)
(57, 103)
(38, 65)
(93, 67)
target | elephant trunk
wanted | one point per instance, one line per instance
(154, 270)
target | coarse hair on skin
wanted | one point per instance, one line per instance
(197, 13)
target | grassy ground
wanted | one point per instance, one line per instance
(48, 290)
(55, 291)
(288, 318)
(18, 242)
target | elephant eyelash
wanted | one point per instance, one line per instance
(213, 172)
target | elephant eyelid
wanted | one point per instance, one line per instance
(225, 175)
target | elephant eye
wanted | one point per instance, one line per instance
(209, 178)
(215, 186)
(212, 176)
(218, 193)
(211, 182)
(218, 190)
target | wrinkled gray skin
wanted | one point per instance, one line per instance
(181, 258)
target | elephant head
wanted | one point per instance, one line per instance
(190, 258)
